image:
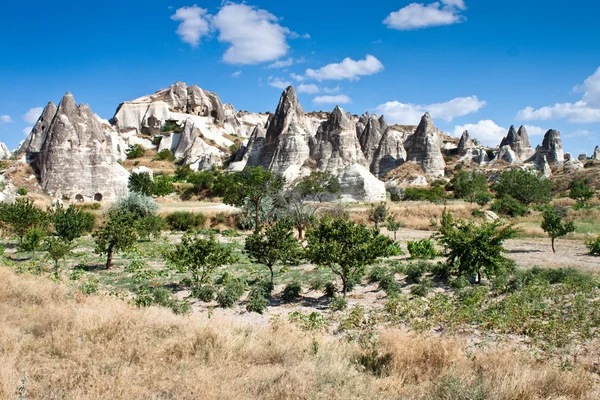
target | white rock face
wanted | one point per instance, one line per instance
(390, 154)
(74, 156)
(5, 153)
(424, 148)
(358, 184)
(596, 154)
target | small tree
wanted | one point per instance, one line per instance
(199, 257)
(552, 224)
(276, 244)
(581, 191)
(378, 213)
(469, 185)
(526, 187)
(33, 240)
(21, 216)
(318, 185)
(253, 185)
(57, 250)
(393, 224)
(474, 249)
(163, 185)
(70, 224)
(141, 182)
(150, 226)
(117, 234)
(134, 151)
(347, 248)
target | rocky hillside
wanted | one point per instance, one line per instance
(202, 132)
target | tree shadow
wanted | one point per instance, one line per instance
(524, 251)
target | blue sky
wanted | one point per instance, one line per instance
(481, 65)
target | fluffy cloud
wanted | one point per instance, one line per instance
(347, 69)
(587, 110)
(236, 74)
(27, 130)
(418, 15)
(308, 88)
(33, 115)
(581, 133)
(486, 131)
(410, 114)
(339, 99)
(535, 130)
(194, 24)
(297, 77)
(5, 119)
(278, 83)
(282, 63)
(255, 35)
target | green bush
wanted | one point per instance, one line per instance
(150, 226)
(89, 221)
(163, 185)
(509, 206)
(291, 292)
(165, 155)
(330, 289)
(134, 151)
(257, 301)
(524, 186)
(88, 206)
(146, 297)
(141, 183)
(137, 204)
(389, 284)
(232, 291)
(204, 293)
(422, 289)
(483, 198)
(434, 195)
(338, 304)
(184, 221)
(22, 191)
(594, 246)
(422, 249)
(377, 273)
(414, 272)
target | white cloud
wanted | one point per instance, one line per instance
(339, 99)
(581, 133)
(33, 115)
(27, 130)
(418, 15)
(587, 110)
(279, 83)
(332, 90)
(282, 63)
(535, 130)
(410, 114)
(297, 77)
(255, 35)
(5, 119)
(194, 24)
(308, 88)
(486, 131)
(237, 74)
(306, 36)
(347, 69)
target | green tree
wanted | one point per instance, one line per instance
(276, 244)
(252, 185)
(163, 185)
(141, 182)
(70, 223)
(393, 224)
(33, 240)
(378, 213)
(58, 250)
(474, 249)
(552, 224)
(524, 186)
(118, 233)
(318, 185)
(199, 257)
(469, 185)
(347, 248)
(21, 216)
(581, 191)
(134, 151)
(150, 226)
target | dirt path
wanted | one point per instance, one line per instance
(533, 252)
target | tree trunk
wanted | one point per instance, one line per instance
(553, 249)
(479, 277)
(395, 232)
(109, 257)
(256, 216)
(272, 275)
(344, 286)
(300, 233)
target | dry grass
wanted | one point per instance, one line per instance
(76, 347)
(147, 160)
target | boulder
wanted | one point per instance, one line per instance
(572, 162)
(424, 148)
(358, 184)
(75, 159)
(582, 157)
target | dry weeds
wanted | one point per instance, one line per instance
(76, 347)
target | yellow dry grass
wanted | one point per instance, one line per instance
(76, 347)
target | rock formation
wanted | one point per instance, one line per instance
(518, 142)
(390, 154)
(596, 154)
(370, 138)
(465, 143)
(71, 153)
(551, 147)
(5, 153)
(424, 148)
(572, 162)
(358, 184)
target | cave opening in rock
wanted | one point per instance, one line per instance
(79, 198)
(98, 197)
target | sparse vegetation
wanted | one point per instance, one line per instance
(135, 151)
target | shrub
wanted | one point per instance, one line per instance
(389, 284)
(134, 151)
(220, 218)
(509, 206)
(171, 126)
(422, 249)
(415, 271)
(483, 198)
(184, 221)
(338, 304)
(150, 226)
(163, 185)
(259, 297)
(146, 297)
(524, 186)
(330, 289)
(581, 191)
(232, 291)
(378, 213)
(204, 293)
(468, 185)
(594, 246)
(377, 274)
(553, 225)
(141, 182)
(137, 204)
(291, 292)
(422, 289)
(164, 155)
(22, 191)
(434, 195)
(70, 223)
(88, 221)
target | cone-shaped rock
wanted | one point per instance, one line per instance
(33, 144)
(551, 147)
(390, 154)
(518, 143)
(424, 148)
(465, 143)
(596, 154)
(75, 159)
(371, 136)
